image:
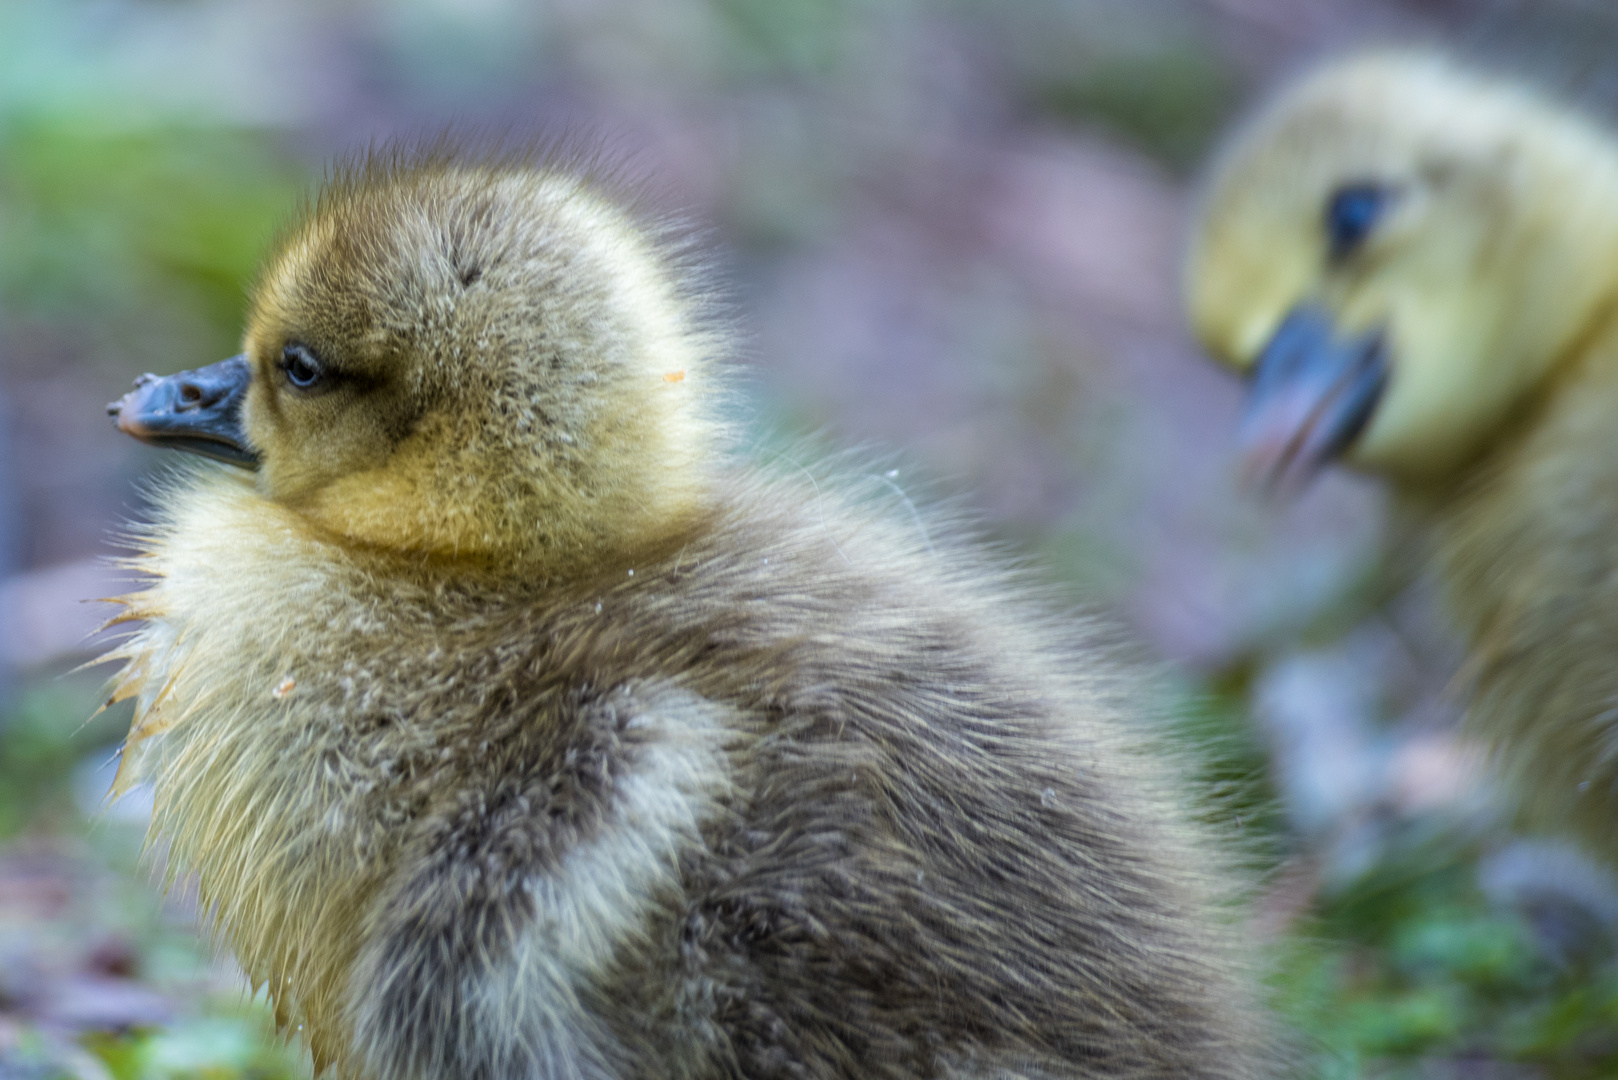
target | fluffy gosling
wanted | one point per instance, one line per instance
(1417, 266)
(515, 727)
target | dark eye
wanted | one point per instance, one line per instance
(1351, 214)
(303, 370)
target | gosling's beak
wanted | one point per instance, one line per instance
(1311, 395)
(199, 411)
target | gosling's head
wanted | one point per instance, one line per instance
(1399, 252)
(450, 357)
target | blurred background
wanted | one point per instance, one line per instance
(950, 231)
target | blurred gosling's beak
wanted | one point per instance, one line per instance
(199, 411)
(1311, 395)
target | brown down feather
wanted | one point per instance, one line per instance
(515, 726)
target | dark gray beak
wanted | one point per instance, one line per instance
(199, 411)
(1312, 394)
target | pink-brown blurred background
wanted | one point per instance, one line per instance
(950, 234)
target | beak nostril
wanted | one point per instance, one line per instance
(199, 411)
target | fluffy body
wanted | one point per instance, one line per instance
(763, 784)
(1495, 281)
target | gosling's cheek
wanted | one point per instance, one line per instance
(259, 420)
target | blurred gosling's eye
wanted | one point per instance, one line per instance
(303, 370)
(1351, 213)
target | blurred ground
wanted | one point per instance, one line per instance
(950, 229)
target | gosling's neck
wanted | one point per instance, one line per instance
(599, 498)
(1571, 230)
(1552, 279)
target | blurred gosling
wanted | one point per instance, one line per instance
(1417, 268)
(514, 727)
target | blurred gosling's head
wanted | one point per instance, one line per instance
(454, 357)
(1398, 252)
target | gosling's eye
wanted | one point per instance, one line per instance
(303, 370)
(1351, 213)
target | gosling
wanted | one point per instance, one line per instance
(1417, 266)
(514, 727)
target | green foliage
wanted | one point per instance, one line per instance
(1410, 964)
(796, 37)
(96, 893)
(1168, 101)
(226, 1045)
(125, 222)
(43, 738)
